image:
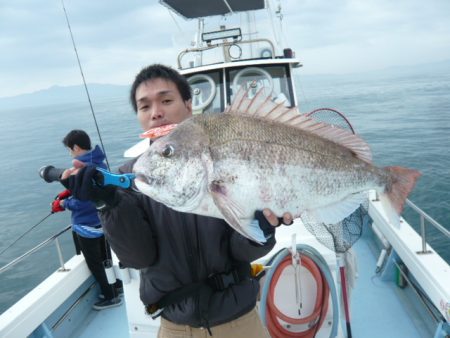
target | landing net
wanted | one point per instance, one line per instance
(341, 236)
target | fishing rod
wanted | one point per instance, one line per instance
(84, 82)
(102, 177)
(34, 226)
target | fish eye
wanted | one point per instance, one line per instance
(168, 151)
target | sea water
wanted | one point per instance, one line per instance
(405, 119)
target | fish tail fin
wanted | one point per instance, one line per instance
(403, 181)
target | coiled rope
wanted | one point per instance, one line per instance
(271, 314)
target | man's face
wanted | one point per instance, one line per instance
(76, 151)
(159, 103)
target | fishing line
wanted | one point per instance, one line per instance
(84, 82)
(34, 226)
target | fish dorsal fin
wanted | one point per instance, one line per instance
(261, 106)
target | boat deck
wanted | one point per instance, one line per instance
(379, 308)
(106, 323)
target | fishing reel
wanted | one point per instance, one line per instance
(50, 174)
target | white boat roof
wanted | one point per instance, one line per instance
(203, 8)
(242, 63)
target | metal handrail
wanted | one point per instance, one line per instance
(424, 216)
(38, 247)
(223, 44)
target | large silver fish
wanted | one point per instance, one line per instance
(259, 154)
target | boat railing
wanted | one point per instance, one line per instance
(424, 217)
(224, 44)
(53, 238)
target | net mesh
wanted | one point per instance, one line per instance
(341, 236)
(331, 116)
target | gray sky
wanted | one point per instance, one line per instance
(116, 38)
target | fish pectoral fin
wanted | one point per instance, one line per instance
(233, 214)
(336, 212)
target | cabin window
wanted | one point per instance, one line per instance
(207, 92)
(273, 78)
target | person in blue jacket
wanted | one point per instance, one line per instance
(88, 231)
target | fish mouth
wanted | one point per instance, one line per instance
(148, 180)
(142, 178)
(158, 131)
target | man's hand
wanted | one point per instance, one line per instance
(63, 194)
(77, 165)
(268, 221)
(56, 206)
(81, 182)
(275, 221)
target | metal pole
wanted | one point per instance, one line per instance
(423, 235)
(428, 218)
(33, 250)
(60, 256)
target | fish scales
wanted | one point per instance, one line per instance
(272, 146)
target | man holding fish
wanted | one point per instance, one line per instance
(195, 269)
(192, 230)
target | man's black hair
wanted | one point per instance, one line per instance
(79, 138)
(158, 71)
